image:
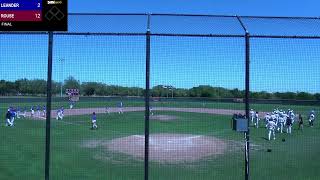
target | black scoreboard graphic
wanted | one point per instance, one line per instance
(33, 15)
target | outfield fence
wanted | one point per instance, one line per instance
(247, 53)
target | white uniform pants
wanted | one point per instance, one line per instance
(271, 131)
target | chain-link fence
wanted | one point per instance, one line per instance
(157, 94)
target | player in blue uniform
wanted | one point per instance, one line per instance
(38, 111)
(120, 107)
(94, 121)
(44, 111)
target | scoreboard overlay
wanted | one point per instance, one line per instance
(33, 15)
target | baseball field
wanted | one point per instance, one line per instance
(188, 141)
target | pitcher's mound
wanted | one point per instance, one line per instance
(163, 117)
(168, 148)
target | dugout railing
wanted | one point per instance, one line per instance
(247, 28)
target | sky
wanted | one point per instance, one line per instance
(184, 62)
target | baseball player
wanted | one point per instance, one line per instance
(300, 122)
(271, 126)
(267, 117)
(71, 104)
(60, 114)
(292, 116)
(38, 111)
(44, 111)
(281, 121)
(273, 117)
(107, 110)
(151, 110)
(18, 112)
(251, 115)
(311, 118)
(8, 118)
(32, 111)
(120, 107)
(257, 119)
(289, 124)
(24, 114)
(13, 115)
(94, 121)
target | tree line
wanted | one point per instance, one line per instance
(37, 87)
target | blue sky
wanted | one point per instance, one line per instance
(276, 64)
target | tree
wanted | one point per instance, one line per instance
(88, 88)
(71, 83)
(305, 96)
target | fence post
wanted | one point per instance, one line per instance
(48, 115)
(247, 98)
(147, 105)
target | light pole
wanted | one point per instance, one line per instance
(61, 74)
(168, 88)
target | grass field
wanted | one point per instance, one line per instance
(304, 109)
(22, 148)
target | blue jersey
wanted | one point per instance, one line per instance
(12, 114)
(38, 108)
(94, 117)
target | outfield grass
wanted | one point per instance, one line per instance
(22, 150)
(304, 109)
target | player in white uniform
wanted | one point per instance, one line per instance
(151, 110)
(120, 106)
(60, 114)
(71, 104)
(257, 119)
(251, 115)
(44, 111)
(24, 114)
(266, 118)
(13, 116)
(32, 111)
(311, 118)
(292, 116)
(274, 118)
(39, 111)
(281, 122)
(107, 110)
(18, 112)
(271, 126)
